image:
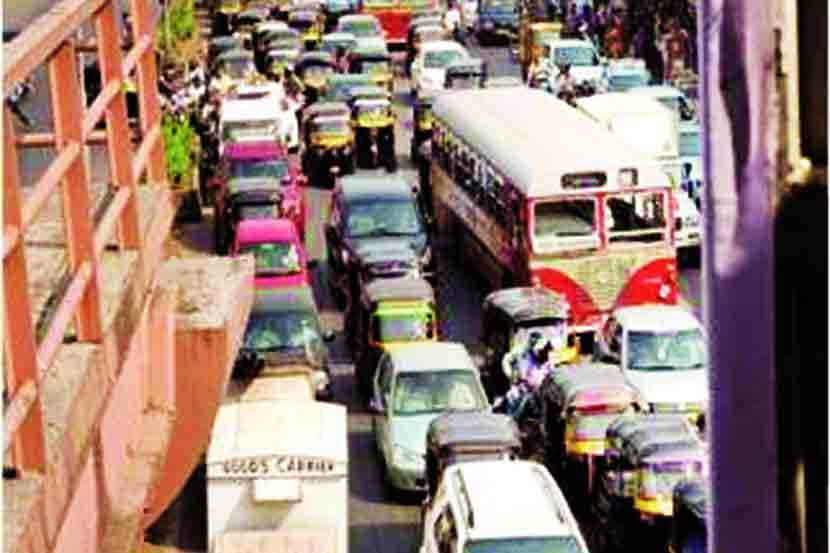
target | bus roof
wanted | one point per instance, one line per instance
(535, 140)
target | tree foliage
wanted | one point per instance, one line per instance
(178, 25)
(179, 137)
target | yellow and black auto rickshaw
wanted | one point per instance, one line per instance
(314, 69)
(374, 123)
(308, 24)
(391, 312)
(374, 61)
(329, 140)
(688, 533)
(646, 458)
(421, 124)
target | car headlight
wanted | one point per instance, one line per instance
(403, 456)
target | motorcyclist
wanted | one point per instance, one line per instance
(526, 368)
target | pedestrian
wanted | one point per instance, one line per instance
(614, 40)
(674, 51)
(573, 20)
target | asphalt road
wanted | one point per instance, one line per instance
(378, 524)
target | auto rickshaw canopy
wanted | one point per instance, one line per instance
(326, 109)
(591, 386)
(340, 85)
(525, 304)
(302, 16)
(235, 54)
(251, 17)
(221, 44)
(308, 59)
(627, 425)
(368, 92)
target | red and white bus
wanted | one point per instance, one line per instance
(395, 16)
(536, 193)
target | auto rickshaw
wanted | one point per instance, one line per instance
(333, 9)
(329, 140)
(219, 45)
(508, 317)
(459, 437)
(421, 127)
(262, 34)
(374, 121)
(579, 402)
(389, 312)
(224, 16)
(340, 86)
(646, 456)
(235, 66)
(314, 69)
(465, 74)
(688, 525)
(531, 38)
(246, 22)
(375, 62)
(308, 24)
(283, 52)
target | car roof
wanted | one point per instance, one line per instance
(338, 36)
(612, 104)
(357, 17)
(657, 91)
(276, 228)
(283, 300)
(657, 317)
(375, 186)
(513, 498)
(439, 45)
(431, 356)
(527, 303)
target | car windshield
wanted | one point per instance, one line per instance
(317, 70)
(690, 143)
(552, 544)
(233, 131)
(576, 56)
(402, 327)
(423, 392)
(439, 59)
(269, 331)
(238, 68)
(503, 6)
(333, 126)
(666, 351)
(274, 258)
(360, 28)
(564, 225)
(463, 81)
(381, 217)
(256, 168)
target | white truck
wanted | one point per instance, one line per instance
(277, 471)
(645, 124)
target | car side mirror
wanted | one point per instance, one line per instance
(328, 336)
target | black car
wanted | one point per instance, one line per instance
(375, 229)
(497, 19)
(284, 329)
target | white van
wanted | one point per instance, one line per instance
(277, 477)
(257, 115)
(486, 506)
(645, 124)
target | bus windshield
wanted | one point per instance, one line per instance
(561, 225)
(635, 218)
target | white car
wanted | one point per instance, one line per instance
(488, 506)
(584, 61)
(415, 384)
(429, 66)
(661, 350)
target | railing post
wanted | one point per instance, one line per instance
(21, 362)
(118, 131)
(148, 90)
(68, 114)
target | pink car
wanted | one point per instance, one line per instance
(281, 259)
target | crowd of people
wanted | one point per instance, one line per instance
(661, 32)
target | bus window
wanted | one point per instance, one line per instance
(565, 225)
(635, 217)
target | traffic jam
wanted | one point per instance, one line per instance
(374, 161)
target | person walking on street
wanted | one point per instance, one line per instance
(674, 51)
